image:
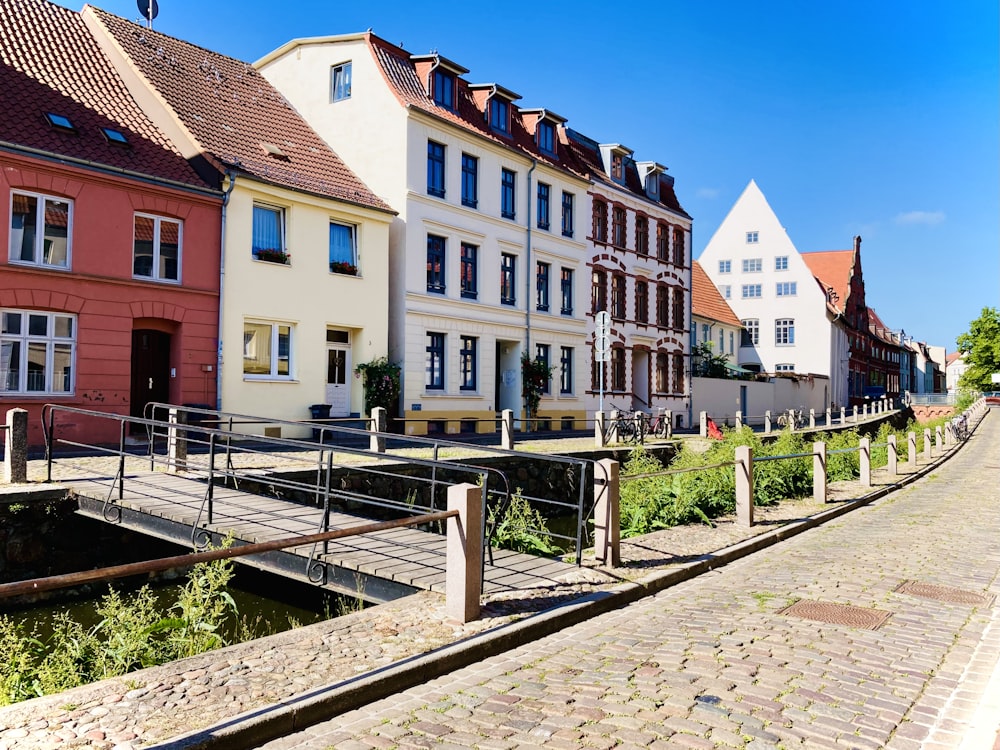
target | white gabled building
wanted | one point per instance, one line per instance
(789, 323)
(488, 254)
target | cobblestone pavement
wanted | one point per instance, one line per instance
(715, 663)
(600, 685)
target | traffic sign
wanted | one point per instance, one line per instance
(603, 320)
(602, 355)
(602, 341)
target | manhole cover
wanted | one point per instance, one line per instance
(946, 594)
(838, 614)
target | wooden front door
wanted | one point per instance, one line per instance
(150, 370)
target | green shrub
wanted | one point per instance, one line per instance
(522, 528)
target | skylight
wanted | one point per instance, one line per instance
(58, 121)
(114, 136)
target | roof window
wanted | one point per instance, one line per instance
(115, 136)
(58, 121)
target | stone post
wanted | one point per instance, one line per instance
(744, 485)
(812, 419)
(177, 447)
(376, 442)
(703, 424)
(15, 447)
(739, 420)
(865, 461)
(637, 419)
(938, 439)
(829, 417)
(599, 441)
(819, 471)
(911, 449)
(928, 452)
(843, 416)
(791, 420)
(767, 422)
(949, 434)
(855, 414)
(607, 521)
(613, 430)
(507, 429)
(464, 558)
(669, 416)
(893, 457)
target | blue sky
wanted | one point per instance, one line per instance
(873, 118)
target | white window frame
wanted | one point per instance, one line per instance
(752, 326)
(726, 290)
(50, 339)
(725, 266)
(752, 291)
(786, 289)
(157, 221)
(275, 326)
(784, 367)
(781, 263)
(346, 88)
(354, 242)
(282, 228)
(753, 265)
(784, 332)
(752, 237)
(38, 255)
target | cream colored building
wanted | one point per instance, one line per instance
(304, 287)
(488, 253)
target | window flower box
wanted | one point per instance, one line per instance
(343, 267)
(273, 256)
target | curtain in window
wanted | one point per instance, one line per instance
(342, 244)
(266, 229)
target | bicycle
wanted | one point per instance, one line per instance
(797, 420)
(628, 427)
(960, 428)
(659, 426)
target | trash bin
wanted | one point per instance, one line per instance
(319, 411)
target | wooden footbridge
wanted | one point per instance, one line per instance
(199, 484)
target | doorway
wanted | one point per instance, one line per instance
(640, 380)
(150, 372)
(508, 378)
(338, 367)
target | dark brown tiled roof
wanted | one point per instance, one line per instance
(49, 62)
(232, 110)
(706, 302)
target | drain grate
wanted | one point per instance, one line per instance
(838, 614)
(947, 594)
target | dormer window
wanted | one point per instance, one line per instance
(545, 134)
(60, 122)
(617, 168)
(444, 89)
(500, 115)
(650, 173)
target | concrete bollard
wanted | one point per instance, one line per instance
(703, 424)
(376, 442)
(607, 520)
(669, 416)
(464, 557)
(791, 420)
(177, 444)
(744, 485)
(599, 439)
(843, 416)
(15, 447)
(865, 461)
(855, 420)
(767, 422)
(892, 457)
(507, 429)
(928, 452)
(739, 420)
(864, 410)
(613, 427)
(938, 439)
(819, 471)
(829, 417)
(949, 434)
(911, 449)
(812, 419)
(639, 419)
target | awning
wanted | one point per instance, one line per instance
(736, 369)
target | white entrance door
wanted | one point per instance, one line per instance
(338, 387)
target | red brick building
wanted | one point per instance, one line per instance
(109, 282)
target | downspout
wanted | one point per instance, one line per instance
(222, 286)
(527, 269)
(690, 319)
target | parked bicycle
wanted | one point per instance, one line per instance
(960, 427)
(659, 426)
(795, 419)
(628, 427)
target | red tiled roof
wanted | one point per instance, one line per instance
(832, 269)
(231, 110)
(878, 328)
(706, 302)
(49, 62)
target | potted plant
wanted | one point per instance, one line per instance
(343, 267)
(273, 255)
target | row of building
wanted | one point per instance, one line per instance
(189, 228)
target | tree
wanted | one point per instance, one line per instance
(707, 363)
(981, 347)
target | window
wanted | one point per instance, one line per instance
(269, 233)
(156, 248)
(784, 331)
(786, 288)
(435, 169)
(542, 286)
(786, 367)
(267, 350)
(678, 373)
(37, 352)
(618, 296)
(598, 291)
(542, 355)
(470, 271)
(60, 121)
(600, 221)
(508, 295)
(781, 263)
(343, 249)
(706, 331)
(40, 230)
(618, 226)
(467, 363)
(597, 373)
(470, 181)
(340, 82)
(543, 205)
(751, 291)
(678, 308)
(566, 370)
(617, 168)
(546, 135)
(434, 363)
(663, 306)
(753, 265)
(641, 235)
(662, 372)
(750, 335)
(435, 264)
(499, 115)
(732, 341)
(726, 291)
(508, 184)
(444, 89)
(725, 266)
(751, 238)
(618, 369)
(641, 302)
(679, 247)
(115, 136)
(722, 342)
(663, 241)
(566, 291)
(567, 214)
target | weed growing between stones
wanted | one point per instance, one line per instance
(522, 528)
